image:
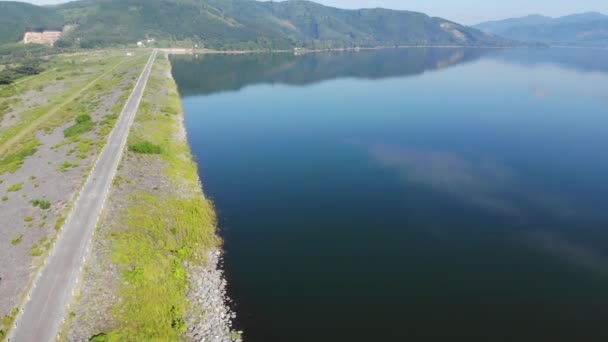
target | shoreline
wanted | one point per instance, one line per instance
(207, 290)
(157, 248)
(301, 51)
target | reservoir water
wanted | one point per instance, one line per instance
(408, 195)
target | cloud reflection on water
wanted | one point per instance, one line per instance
(478, 183)
(570, 251)
(492, 186)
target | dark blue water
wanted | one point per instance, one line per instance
(408, 195)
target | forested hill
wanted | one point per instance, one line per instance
(17, 17)
(254, 24)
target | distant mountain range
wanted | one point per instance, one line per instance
(239, 24)
(586, 29)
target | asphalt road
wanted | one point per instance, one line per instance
(46, 308)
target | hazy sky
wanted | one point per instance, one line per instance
(468, 11)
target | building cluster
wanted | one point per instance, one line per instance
(44, 37)
(145, 42)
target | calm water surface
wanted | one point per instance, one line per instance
(408, 195)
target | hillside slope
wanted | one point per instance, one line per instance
(586, 29)
(254, 24)
(17, 17)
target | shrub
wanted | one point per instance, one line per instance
(15, 187)
(35, 250)
(42, 203)
(4, 198)
(145, 147)
(59, 223)
(67, 165)
(28, 219)
(84, 124)
(83, 118)
(16, 240)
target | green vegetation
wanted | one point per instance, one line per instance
(67, 165)
(83, 124)
(152, 257)
(59, 223)
(108, 122)
(145, 147)
(247, 24)
(73, 101)
(4, 108)
(4, 198)
(16, 53)
(16, 17)
(83, 147)
(13, 161)
(15, 187)
(41, 203)
(17, 240)
(35, 250)
(7, 321)
(27, 68)
(158, 232)
(28, 219)
(7, 91)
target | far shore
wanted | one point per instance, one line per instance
(301, 51)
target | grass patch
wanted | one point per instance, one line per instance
(41, 203)
(7, 91)
(28, 219)
(83, 124)
(15, 187)
(66, 165)
(17, 240)
(80, 119)
(145, 147)
(160, 234)
(59, 223)
(35, 250)
(83, 147)
(13, 161)
(6, 322)
(108, 122)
